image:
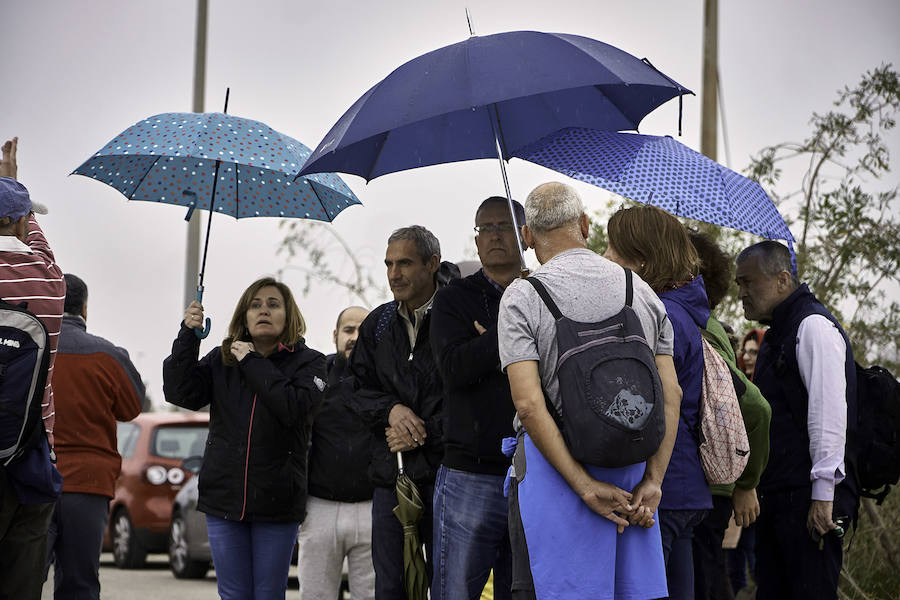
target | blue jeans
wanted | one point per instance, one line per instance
(251, 559)
(471, 535)
(677, 530)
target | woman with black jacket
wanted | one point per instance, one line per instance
(260, 385)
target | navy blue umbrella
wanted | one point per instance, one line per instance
(663, 172)
(485, 98)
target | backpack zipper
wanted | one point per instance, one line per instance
(607, 340)
(588, 332)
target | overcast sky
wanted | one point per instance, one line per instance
(74, 74)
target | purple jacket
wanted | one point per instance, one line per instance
(684, 487)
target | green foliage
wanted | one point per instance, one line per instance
(848, 249)
(846, 219)
(871, 567)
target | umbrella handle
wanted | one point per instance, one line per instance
(205, 332)
(400, 462)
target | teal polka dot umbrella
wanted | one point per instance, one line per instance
(218, 162)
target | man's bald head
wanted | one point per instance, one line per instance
(346, 331)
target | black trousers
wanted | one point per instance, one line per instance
(23, 544)
(710, 568)
(522, 582)
(789, 564)
(74, 542)
(387, 542)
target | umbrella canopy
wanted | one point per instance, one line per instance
(409, 511)
(217, 162)
(173, 158)
(663, 172)
(458, 102)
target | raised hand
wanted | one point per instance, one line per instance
(8, 165)
(193, 315)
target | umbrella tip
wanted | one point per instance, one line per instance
(469, 21)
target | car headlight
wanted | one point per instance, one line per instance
(156, 475)
(175, 476)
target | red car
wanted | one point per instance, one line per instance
(153, 447)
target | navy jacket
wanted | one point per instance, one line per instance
(386, 372)
(778, 376)
(478, 406)
(684, 486)
(341, 444)
(254, 466)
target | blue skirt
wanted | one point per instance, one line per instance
(574, 552)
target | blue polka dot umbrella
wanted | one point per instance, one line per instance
(217, 162)
(663, 172)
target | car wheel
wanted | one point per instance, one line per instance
(180, 561)
(127, 550)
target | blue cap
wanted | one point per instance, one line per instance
(15, 202)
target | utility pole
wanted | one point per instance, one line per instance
(708, 118)
(192, 248)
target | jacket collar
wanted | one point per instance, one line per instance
(786, 307)
(75, 321)
(10, 243)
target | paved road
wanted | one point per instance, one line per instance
(153, 581)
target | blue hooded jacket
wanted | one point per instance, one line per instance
(684, 486)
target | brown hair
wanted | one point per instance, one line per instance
(294, 325)
(715, 266)
(658, 241)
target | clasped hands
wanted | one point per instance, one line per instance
(621, 507)
(406, 430)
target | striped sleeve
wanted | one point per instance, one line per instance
(35, 279)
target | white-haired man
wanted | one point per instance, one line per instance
(567, 519)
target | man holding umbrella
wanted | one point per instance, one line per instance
(470, 521)
(400, 396)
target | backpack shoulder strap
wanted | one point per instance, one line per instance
(629, 289)
(545, 296)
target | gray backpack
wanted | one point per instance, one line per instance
(612, 402)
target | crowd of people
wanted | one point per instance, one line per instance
(460, 378)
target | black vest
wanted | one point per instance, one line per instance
(778, 376)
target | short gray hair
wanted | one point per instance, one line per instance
(427, 245)
(552, 205)
(773, 258)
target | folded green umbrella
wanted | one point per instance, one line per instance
(409, 511)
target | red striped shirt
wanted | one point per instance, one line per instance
(29, 273)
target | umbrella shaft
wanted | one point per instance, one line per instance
(495, 127)
(212, 202)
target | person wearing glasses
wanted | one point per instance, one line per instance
(471, 534)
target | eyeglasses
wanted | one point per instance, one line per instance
(502, 228)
